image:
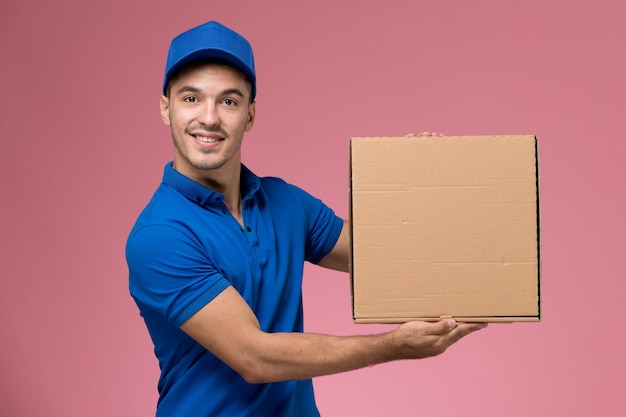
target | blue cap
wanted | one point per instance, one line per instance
(210, 40)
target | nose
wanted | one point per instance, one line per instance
(208, 114)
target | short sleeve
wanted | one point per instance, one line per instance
(323, 225)
(171, 273)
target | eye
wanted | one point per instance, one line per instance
(229, 102)
(191, 99)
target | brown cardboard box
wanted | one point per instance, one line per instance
(445, 227)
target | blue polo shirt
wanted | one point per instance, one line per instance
(186, 248)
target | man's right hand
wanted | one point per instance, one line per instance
(418, 339)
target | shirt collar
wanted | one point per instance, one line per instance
(203, 195)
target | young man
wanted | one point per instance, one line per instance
(216, 258)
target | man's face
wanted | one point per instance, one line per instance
(208, 111)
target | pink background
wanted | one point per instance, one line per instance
(84, 149)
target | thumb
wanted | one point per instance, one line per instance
(444, 326)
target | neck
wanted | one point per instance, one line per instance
(232, 200)
(226, 181)
(228, 184)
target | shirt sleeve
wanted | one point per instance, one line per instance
(323, 225)
(171, 273)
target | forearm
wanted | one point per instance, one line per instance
(227, 328)
(287, 356)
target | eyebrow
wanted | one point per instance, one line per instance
(187, 89)
(234, 91)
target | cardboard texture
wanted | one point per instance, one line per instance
(445, 227)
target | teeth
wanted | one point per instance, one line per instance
(206, 140)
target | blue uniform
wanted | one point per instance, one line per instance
(186, 248)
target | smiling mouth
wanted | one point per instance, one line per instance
(207, 139)
(209, 135)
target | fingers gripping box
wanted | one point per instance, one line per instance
(445, 227)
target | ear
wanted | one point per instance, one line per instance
(251, 115)
(165, 110)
